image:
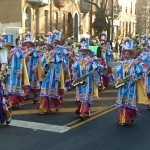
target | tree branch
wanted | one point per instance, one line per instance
(95, 4)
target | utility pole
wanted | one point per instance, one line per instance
(91, 17)
(112, 19)
(51, 16)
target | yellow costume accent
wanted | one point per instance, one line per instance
(67, 75)
(122, 116)
(39, 71)
(141, 93)
(25, 73)
(81, 107)
(126, 67)
(62, 82)
(83, 64)
(96, 91)
(42, 108)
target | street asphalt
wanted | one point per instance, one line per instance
(64, 130)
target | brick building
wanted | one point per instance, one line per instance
(72, 17)
(41, 16)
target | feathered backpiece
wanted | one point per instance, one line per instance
(148, 43)
(56, 36)
(128, 45)
(48, 38)
(1, 41)
(28, 39)
(84, 44)
(108, 46)
(143, 39)
(103, 37)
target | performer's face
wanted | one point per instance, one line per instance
(48, 47)
(36, 44)
(127, 55)
(40, 43)
(17, 42)
(84, 54)
(28, 45)
(8, 47)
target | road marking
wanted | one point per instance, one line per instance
(103, 91)
(60, 129)
(30, 101)
(35, 111)
(79, 120)
(96, 115)
(39, 126)
(64, 110)
(73, 99)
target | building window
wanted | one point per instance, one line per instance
(28, 19)
(37, 21)
(123, 27)
(46, 21)
(131, 8)
(76, 20)
(126, 10)
(87, 23)
(63, 23)
(135, 9)
(126, 28)
(133, 28)
(70, 25)
(129, 27)
(56, 20)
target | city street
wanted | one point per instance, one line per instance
(64, 130)
(44, 44)
(63, 124)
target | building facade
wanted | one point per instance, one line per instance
(125, 20)
(40, 16)
(19, 16)
(72, 17)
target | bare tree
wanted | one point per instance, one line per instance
(101, 22)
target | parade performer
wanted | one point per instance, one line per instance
(17, 80)
(145, 55)
(65, 54)
(39, 44)
(105, 60)
(47, 49)
(5, 109)
(131, 89)
(52, 84)
(86, 86)
(143, 40)
(3, 54)
(32, 60)
(109, 62)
